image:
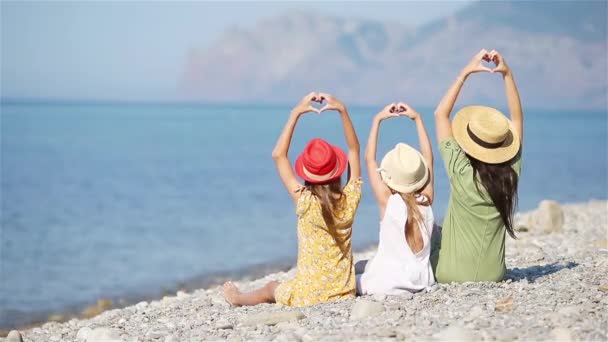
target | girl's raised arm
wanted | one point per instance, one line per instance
(381, 191)
(279, 154)
(349, 132)
(513, 101)
(425, 147)
(443, 110)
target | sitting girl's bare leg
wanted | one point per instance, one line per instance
(238, 298)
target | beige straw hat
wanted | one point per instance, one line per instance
(403, 169)
(485, 134)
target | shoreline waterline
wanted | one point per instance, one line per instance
(111, 302)
(200, 282)
(542, 286)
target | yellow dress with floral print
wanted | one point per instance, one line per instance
(325, 269)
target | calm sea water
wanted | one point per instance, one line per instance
(111, 200)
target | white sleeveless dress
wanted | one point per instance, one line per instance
(395, 269)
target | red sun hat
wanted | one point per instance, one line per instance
(321, 162)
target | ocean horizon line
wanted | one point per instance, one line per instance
(260, 104)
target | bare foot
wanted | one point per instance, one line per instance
(231, 293)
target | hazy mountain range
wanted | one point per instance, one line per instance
(557, 50)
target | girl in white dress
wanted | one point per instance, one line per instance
(403, 187)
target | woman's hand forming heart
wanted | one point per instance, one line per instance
(403, 109)
(475, 65)
(501, 65)
(332, 103)
(389, 111)
(305, 104)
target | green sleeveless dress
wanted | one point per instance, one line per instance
(472, 244)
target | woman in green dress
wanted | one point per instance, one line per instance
(481, 150)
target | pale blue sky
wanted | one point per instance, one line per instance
(135, 50)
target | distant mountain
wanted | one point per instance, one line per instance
(557, 50)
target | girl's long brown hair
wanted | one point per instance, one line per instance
(332, 200)
(414, 221)
(330, 197)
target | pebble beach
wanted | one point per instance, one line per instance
(556, 289)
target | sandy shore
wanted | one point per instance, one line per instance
(556, 289)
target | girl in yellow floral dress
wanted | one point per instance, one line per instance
(325, 212)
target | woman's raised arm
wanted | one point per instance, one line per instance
(425, 147)
(279, 154)
(444, 109)
(349, 133)
(381, 191)
(513, 101)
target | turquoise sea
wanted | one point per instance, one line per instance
(126, 201)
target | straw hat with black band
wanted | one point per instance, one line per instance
(485, 134)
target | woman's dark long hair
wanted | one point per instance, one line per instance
(500, 182)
